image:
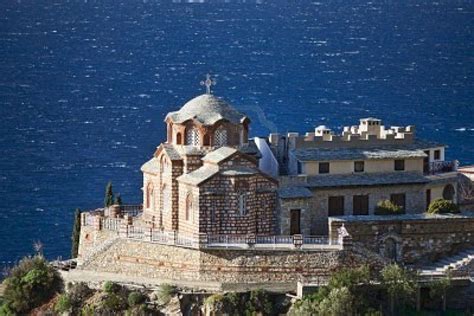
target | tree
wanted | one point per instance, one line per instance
(76, 232)
(439, 288)
(338, 303)
(398, 283)
(31, 283)
(109, 195)
(118, 199)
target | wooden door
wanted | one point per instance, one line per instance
(361, 205)
(336, 206)
(295, 222)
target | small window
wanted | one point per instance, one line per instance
(300, 167)
(398, 199)
(358, 166)
(399, 165)
(189, 206)
(242, 204)
(360, 204)
(437, 154)
(336, 206)
(178, 139)
(324, 167)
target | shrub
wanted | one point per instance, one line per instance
(259, 303)
(114, 303)
(136, 298)
(78, 293)
(441, 206)
(31, 283)
(112, 287)
(386, 207)
(338, 303)
(63, 304)
(5, 310)
(165, 292)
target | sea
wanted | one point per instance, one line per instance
(85, 86)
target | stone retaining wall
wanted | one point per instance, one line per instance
(230, 266)
(409, 238)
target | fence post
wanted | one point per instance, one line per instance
(298, 240)
(123, 231)
(98, 222)
(148, 233)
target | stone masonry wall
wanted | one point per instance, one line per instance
(413, 238)
(137, 258)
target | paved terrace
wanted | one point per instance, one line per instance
(128, 225)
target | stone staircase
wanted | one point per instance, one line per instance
(449, 263)
(100, 249)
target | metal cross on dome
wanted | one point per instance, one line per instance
(208, 83)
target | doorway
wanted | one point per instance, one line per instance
(295, 221)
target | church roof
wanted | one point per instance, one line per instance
(199, 175)
(206, 109)
(151, 166)
(219, 154)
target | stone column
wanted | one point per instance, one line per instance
(298, 240)
(148, 233)
(98, 222)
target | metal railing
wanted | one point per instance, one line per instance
(437, 167)
(111, 223)
(131, 210)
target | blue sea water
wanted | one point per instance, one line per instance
(85, 85)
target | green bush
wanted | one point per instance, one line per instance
(114, 303)
(79, 293)
(5, 310)
(338, 303)
(386, 207)
(165, 292)
(441, 206)
(136, 298)
(63, 304)
(112, 287)
(31, 283)
(259, 303)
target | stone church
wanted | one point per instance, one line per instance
(205, 178)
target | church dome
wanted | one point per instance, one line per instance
(206, 109)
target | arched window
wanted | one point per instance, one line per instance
(390, 249)
(448, 192)
(163, 164)
(189, 206)
(165, 198)
(179, 139)
(207, 140)
(193, 137)
(243, 204)
(149, 195)
(220, 137)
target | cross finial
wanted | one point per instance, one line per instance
(208, 83)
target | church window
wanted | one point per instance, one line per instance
(165, 198)
(178, 139)
(220, 137)
(189, 206)
(207, 140)
(149, 194)
(163, 164)
(193, 137)
(243, 204)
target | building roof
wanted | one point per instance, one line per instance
(172, 153)
(239, 171)
(395, 151)
(294, 193)
(206, 109)
(199, 175)
(219, 154)
(365, 179)
(151, 166)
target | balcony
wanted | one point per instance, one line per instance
(437, 167)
